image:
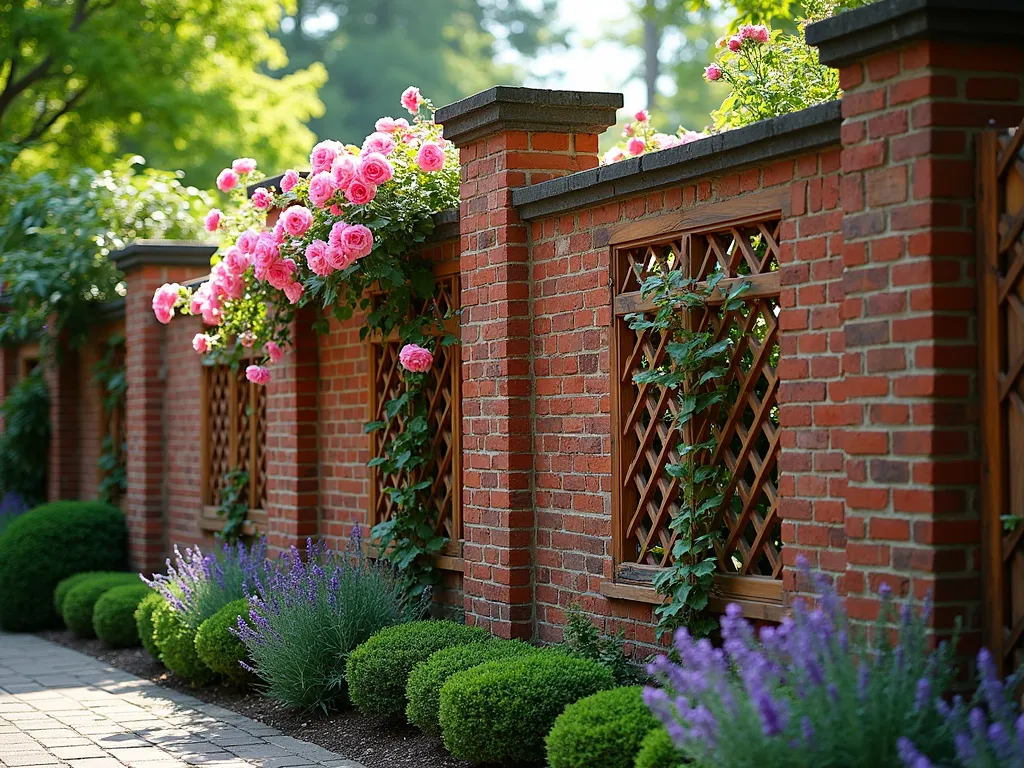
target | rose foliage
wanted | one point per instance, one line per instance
(346, 243)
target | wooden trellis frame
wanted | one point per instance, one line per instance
(234, 430)
(444, 392)
(645, 497)
(1000, 222)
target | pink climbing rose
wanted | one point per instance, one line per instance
(294, 291)
(411, 99)
(280, 273)
(357, 241)
(343, 170)
(164, 299)
(636, 146)
(316, 258)
(359, 192)
(247, 241)
(243, 165)
(212, 220)
(296, 220)
(323, 155)
(257, 374)
(336, 229)
(430, 157)
(274, 351)
(201, 343)
(375, 169)
(262, 199)
(227, 180)
(712, 72)
(735, 43)
(321, 188)
(379, 142)
(289, 180)
(415, 358)
(757, 32)
(386, 125)
(642, 116)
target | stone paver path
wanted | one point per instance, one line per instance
(59, 707)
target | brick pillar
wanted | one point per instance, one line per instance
(62, 381)
(920, 80)
(293, 468)
(507, 137)
(146, 266)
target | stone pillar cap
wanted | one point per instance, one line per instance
(163, 253)
(506, 107)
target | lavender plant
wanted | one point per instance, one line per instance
(308, 614)
(197, 586)
(808, 693)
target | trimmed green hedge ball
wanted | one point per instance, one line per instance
(113, 617)
(658, 751)
(218, 648)
(144, 622)
(604, 729)
(65, 585)
(177, 646)
(81, 599)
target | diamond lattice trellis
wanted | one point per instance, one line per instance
(747, 431)
(234, 433)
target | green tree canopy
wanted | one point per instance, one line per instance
(182, 82)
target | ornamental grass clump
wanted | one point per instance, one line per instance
(310, 613)
(808, 693)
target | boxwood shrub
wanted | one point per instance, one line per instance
(604, 729)
(500, 712)
(81, 599)
(50, 543)
(423, 691)
(658, 751)
(144, 622)
(218, 648)
(377, 670)
(177, 646)
(65, 585)
(113, 617)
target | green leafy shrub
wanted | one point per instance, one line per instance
(423, 690)
(500, 712)
(219, 648)
(377, 671)
(144, 622)
(113, 616)
(80, 600)
(604, 729)
(658, 751)
(25, 441)
(582, 638)
(49, 543)
(176, 643)
(65, 585)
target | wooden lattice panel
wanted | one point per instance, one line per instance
(445, 416)
(647, 497)
(234, 433)
(1001, 331)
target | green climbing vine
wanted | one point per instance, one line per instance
(111, 376)
(234, 505)
(695, 368)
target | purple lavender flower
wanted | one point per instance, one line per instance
(964, 748)
(924, 690)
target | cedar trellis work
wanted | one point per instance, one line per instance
(445, 415)
(646, 497)
(234, 428)
(1001, 286)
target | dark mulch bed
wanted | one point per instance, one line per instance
(349, 734)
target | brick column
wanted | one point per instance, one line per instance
(507, 137)
(920, 80)
(293, 469)
(146, 266)
(62, 381)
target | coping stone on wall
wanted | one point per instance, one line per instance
(852, 35)
(109, 311)
(446, 225)
(164, 253)
(506, 107)
(812, 128)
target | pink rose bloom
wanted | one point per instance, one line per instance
(236, 261)
(411, 99)
(642, 116)
(279, 234)
(257, 374)
(202, 343)
(321, 188)
(343, 170)
(430, 157)
(636, 146)
(323, 155)
(628, 130)
(227, 180)
(664, 141)
(164, 300)
(415, 358)
(335, 237)
(247, 339)
(337, 258)
(378, 142)
(316, 258)
(357, 241)
(247, 241)
(266, 252)
(289, 180)
(712, 72)
(735, 43)
(294, 292)
(296, 220)
(689, 136)
(336, 210)
(375, 169)
(212, 220)
(279, 274)
(757, 32)
(359, 192)
(243, 165)
(196, 303)
(274, 351)
(385, 125)
(613, 155)
(262, 199)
